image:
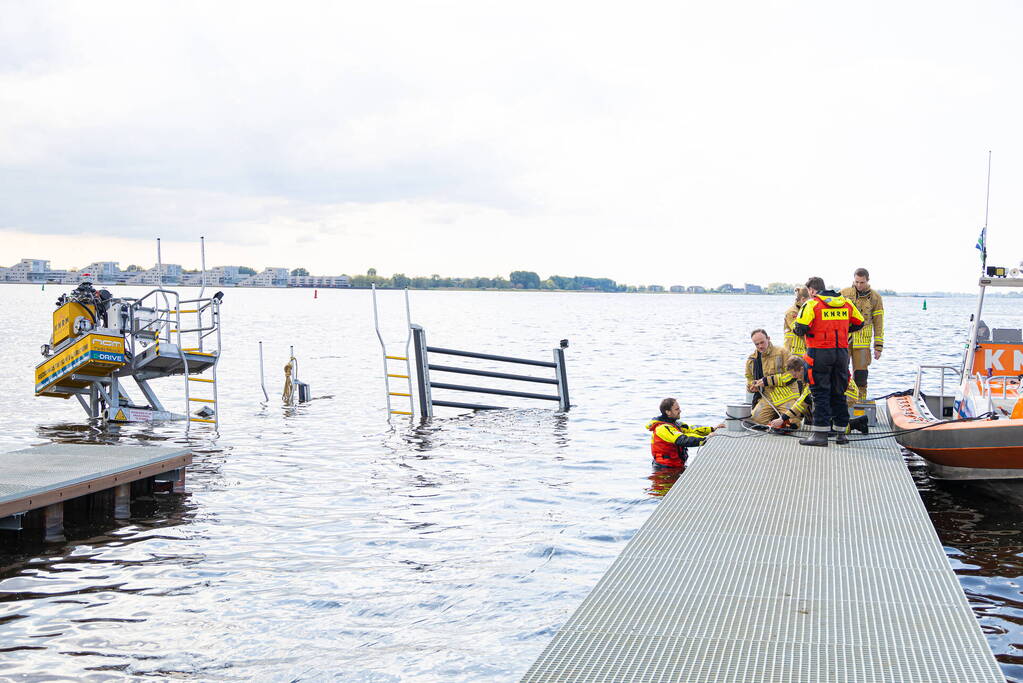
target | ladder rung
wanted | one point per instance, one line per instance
(199, 379)
(397, 393)
(199, 419)
(184, 311)
(198, 353)
(202, 400)
(401, 412)
(402, 376)
(396, 357)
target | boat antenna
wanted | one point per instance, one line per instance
(987, 204)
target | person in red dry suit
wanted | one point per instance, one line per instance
(671, 439)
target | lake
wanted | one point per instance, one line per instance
(323, 542)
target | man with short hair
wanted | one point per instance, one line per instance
(825, 321)
(671, 439)
(766, 359)
(871, 307)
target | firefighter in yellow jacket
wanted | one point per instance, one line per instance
(788, 400)
(766, 359)
(795, 344)
(871, 307)
(780, 394)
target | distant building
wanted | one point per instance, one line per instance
(655, 288)
(696, 289)
(321, 281)
(224, 276)
(30, 270)
(168, 274)
(270, 277)
(754, 289)
(727, 288)
(101, 271)
(677, 289)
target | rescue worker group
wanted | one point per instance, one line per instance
(805, 381)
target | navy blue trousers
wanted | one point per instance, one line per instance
(829, 378)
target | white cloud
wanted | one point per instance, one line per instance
(663, 142)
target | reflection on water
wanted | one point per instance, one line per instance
(322, 542)
(662, 480)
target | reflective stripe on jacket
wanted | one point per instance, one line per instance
(669, 441)
(826, 321)
(781, 388)
(871, 307)
(794, 344)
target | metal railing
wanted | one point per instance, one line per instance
(425, 384)
(941, 396)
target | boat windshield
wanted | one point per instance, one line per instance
(1000, 329)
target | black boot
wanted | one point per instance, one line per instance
(860, 424)
(841, 439)
(817, 438)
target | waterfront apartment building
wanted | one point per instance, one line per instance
(322, 281)
(106, 272)
(169, 275)
(270, 277)
(31, 270)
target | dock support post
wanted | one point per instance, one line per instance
(559, 360)
(122, 501)
(179, 482)
(422, 371)
(53, 523)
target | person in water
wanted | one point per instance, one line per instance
(671, 440)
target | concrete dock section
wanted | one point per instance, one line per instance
(42, 479)
(771, 561)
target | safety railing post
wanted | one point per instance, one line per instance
(559, 360)
(422, 371)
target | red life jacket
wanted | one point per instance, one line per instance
(829, 328)
(666, 454)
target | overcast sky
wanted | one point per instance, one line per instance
(653, 143)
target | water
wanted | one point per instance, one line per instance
(321, 543)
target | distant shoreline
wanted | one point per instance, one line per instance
(936, 295)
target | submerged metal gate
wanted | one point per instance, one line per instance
(425, 384)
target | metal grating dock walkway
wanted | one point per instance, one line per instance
(771, 561)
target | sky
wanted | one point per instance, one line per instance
(649, 142)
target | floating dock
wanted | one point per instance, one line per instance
(36, 483)
(771, 561)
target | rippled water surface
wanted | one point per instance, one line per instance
(321, 542)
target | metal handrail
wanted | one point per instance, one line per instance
(941, 395)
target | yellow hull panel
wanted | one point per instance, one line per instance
(93, 354)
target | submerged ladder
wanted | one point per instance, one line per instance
(389, 373)
(206, 382)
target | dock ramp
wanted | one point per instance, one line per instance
(771, 561)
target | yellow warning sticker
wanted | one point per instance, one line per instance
(120, 416)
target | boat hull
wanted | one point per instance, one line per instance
(980, 449)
